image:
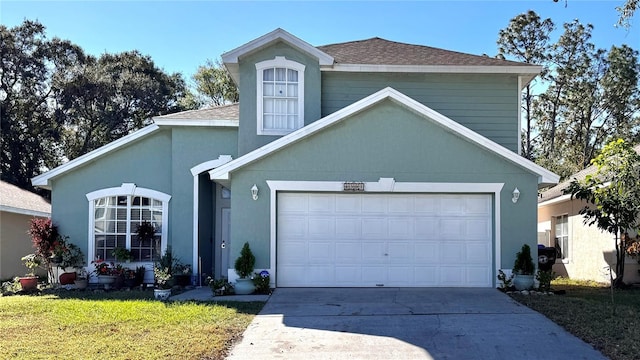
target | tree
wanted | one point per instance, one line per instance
(215, 85)
(626, 12)
(111, 96)
(30, 131)
(613, 196)
(527, 39)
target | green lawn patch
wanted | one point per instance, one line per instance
(119, 325)
(587, 311)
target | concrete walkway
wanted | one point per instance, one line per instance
(205, 294)
(403, 323)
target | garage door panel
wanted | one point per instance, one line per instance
(292, 227)
(321, 227)
(401, 228)
(384, 239)
(321, 252)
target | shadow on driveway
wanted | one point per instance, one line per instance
(403, 323)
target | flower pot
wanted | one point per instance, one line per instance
(81, 284)
(523, 282)
(29, 283)
(161, 294)
(106, 280)
(244, 286)
(183, 280)
(67, 278)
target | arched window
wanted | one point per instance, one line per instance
(115, 214)
(280, 96)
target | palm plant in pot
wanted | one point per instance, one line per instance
(524, 269)
(244, 268)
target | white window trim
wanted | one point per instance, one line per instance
(280, 62)
(383, 185)
(566, 251)
(127, 189)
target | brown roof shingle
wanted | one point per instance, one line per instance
(14, 199)
(223, 112)
(378, 51)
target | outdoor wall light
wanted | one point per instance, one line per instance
(516, 195)
(254, 192)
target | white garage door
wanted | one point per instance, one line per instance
(367, 240)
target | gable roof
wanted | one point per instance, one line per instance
(16, 200)
(222, 116)
(222, 173)
(557, 192)
(380, 55)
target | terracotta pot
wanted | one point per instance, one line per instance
(29, 283)
(67, 278)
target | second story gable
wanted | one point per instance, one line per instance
(286, 83)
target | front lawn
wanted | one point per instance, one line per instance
(119, 325)
(586, 310)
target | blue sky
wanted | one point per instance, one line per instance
(180, 35)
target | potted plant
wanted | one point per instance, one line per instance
(182, 274)
(122, 254)
(524, 269)
(244, 268)
(82, 279)
(105, 272)
(73, 258)
(30, 280)
(162, 274)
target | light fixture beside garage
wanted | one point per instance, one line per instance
(515, 197)
(254, 192)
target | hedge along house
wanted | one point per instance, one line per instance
(367, 163)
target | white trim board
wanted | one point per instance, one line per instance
(231, 58)
(196, 122)
(20, 211)
(222, 174)
(43, 180)
(383, 185)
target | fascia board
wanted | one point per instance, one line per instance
(28, 212)
(42, 180)
(544, 176)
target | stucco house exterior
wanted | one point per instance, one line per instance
(360, 164)
(584, 252)
(17, 208)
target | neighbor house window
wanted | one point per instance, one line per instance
(562, 236)
(280, 100)
(114, 219)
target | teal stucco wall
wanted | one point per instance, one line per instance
(248, 138)
(485, 103)
(385, 141)
(160, 161)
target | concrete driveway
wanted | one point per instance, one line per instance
(403, 323)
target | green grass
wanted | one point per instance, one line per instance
(119, 325)
(587, 311)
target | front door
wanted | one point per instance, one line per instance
(222, 270)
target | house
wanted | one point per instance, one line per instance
(17, 208)
(366, 163)
(584, 251)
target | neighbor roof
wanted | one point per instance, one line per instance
(558, 190)
(16, 200)
(223, 112)
(378, 51)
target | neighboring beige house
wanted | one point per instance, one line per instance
(584, 252)
(17, 208)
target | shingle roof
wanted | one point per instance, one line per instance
(377, 51)
(558, 190)
(223, 112)
(15, 199)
